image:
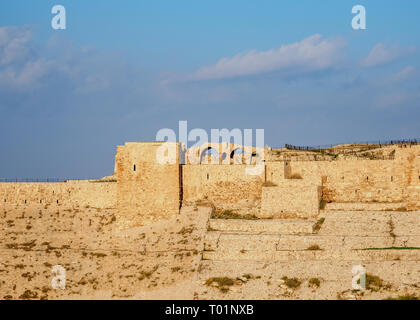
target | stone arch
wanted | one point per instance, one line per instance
(232, 154)
(237, 155)
(255, 157)
(206, 152)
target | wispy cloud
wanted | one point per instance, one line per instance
(380, 54)
(26, 67)
(405, 74)
(21, 66)
(13, 44)
(311, 54)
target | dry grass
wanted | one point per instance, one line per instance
(314, 247)
(229, 214)
(28, 294)
(222, 283)
(391, 229)
(269, 184)
(375, 283)
(314, 282)
(318, 224)
(186, 230)
(292, 283)
(393, 248)
(295, 176)
(404, 297)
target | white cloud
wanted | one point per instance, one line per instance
(25, 66)
(380, 54)
(13, 44)
(405, 74)
(20, 68)
(311, 54)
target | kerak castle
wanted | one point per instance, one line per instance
(221, 221)
(286, 183)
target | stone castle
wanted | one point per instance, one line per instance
(292, 183)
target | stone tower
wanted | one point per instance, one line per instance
(147, 191)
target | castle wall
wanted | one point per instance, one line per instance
(364, 180)
(356, 180)
(413, 198)
(147, 191)
(277, 171)
(227, 186)
(71, 193)
(290, 199)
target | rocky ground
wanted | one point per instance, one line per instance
(282, 259)
(189, 257)
(159, 261)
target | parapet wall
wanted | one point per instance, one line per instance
(71, 193)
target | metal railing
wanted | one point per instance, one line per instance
(373, 144)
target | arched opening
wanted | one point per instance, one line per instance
(255, 158)
(237, 155)
(209, 154)
(236, 151)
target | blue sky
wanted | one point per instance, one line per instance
(123, 70)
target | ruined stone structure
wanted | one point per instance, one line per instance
(290, 184)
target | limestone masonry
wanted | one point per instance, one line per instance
(292, 184)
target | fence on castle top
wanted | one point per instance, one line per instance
(369, 144)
